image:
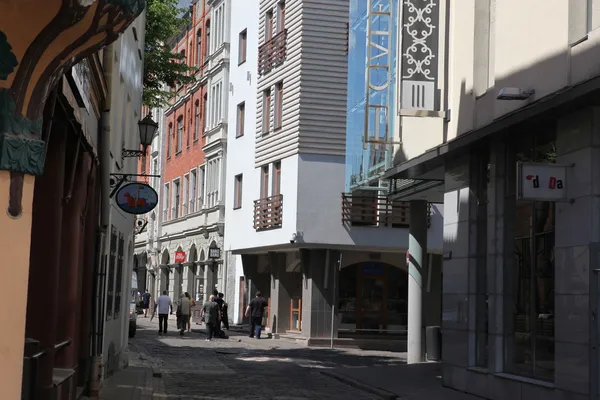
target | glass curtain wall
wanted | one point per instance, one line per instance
(530, 341)
(378, 49)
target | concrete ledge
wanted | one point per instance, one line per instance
(383, 394)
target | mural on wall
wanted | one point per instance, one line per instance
(39, 41)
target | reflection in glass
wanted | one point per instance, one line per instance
(531, 348)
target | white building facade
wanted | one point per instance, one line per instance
(123, 64)
(290, 232)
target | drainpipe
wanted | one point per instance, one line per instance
(98, 304)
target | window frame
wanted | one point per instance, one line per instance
(179, 139)
(266, 111)
(268, 25)
(199, 47)
(169, 138)
(237, 191)
(278, 106)
(280, 16)
(176, 198)
(167, 205)
(264, 184)
(241, 119)
(242, 46)
(193, 193)
(197, 120)
(276, 189)
(185, 191)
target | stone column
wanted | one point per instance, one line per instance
(210, 278)
(417, 248)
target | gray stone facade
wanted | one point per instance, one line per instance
(576, 238)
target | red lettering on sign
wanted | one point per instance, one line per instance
(552, 183)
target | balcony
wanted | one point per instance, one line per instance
(272, 53)
(268, 213)
(371, 209)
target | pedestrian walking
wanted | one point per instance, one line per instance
(185, 308)
(146, 300)
(178, 312)
(210, 314)
(164, 303)
(219, 301)
(256, 310)
(224, 308)
(192, 305)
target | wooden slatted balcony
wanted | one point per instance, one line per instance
(371, 209)
(272, 53)
(268, 213)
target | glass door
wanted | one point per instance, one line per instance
(296, 314)
(372, 298)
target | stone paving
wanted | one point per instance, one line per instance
(244, 368)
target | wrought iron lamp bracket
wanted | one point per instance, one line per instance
(122, 178)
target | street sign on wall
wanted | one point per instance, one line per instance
(179, 257)
(136, 198)
(540, 181)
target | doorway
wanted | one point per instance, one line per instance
(373, 299)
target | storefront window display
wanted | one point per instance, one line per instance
(530, 347)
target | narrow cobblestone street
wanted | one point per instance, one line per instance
(242, 368)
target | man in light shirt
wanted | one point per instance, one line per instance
(163, 303)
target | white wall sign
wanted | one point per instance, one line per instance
(539, 181)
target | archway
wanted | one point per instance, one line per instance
(373, 299)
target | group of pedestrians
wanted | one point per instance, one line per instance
(214, 313)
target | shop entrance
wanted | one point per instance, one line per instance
(373, 299)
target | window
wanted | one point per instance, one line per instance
(207, 45)
(205, 109)
(277, 178)
(169, 138)
(266, 112)
(189, 131)
(186, 188)
(193, 188)
(268, 26)
(155, 180)
(112, 258)
(119, 278)
(280, 16)
(530, 347)
(201, 186)
(241, 111)
(179, 134)
(176, 198)
(199, 48)
(264, 184)
(197, 121)
(216, 104)
(278, 105)
(237, 192)
(242, 46)
(481, 182)
(166, 197)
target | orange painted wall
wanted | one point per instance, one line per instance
(15, 240)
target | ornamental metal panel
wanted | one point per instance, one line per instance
(420, 48)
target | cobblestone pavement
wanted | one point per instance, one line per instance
(244, 368)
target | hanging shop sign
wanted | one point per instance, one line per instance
(180, 257)
(137, 198)
(214, 252)
(543, 182)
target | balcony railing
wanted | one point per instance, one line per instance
(268, 213)
(375, 210)
(272, 53)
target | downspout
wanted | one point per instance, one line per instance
(98, 305)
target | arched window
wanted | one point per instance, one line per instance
(207, 45)
(169, 138)
(199, 48)
(179, 134)
(197, 120)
